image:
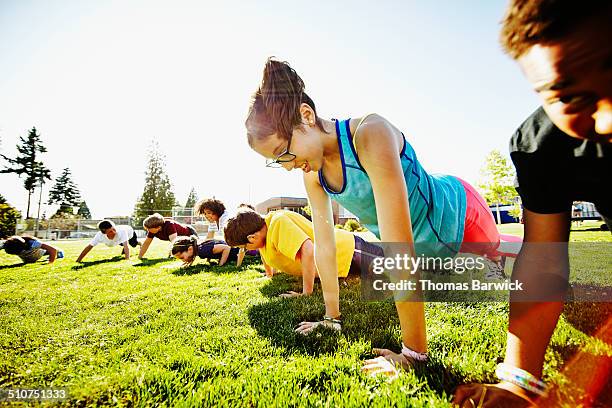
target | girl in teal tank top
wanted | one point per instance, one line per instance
(372, 171)
(437, 202)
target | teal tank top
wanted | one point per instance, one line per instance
(437, 202)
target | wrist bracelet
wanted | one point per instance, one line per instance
(414, 355)
(520, 377)
(337, 320)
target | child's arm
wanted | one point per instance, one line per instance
(224, 250)
(144, 247)
(531, 323)
(84, 252)
(52, 251)
(126, 250)
(378, 148)
(241, 254)
(324, 249)
(309, 271)
(268, 268)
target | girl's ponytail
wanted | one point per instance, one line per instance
(275, 107)
(281, 91)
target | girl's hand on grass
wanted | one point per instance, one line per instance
(503, 394)
(306, 327)
(387, 363)
(290, 294)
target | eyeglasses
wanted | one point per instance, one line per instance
(284, 157)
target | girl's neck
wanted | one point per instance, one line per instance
(331, 151)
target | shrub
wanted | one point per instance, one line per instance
(8, 220)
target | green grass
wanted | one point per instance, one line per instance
(126, 333)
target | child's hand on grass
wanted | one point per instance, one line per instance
(387, 363)
(503, 394)
(306, 327)
(290, 294)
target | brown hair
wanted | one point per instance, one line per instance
(531, 22)
(15, 245)
(243, 224)
(245, 205)
(211, 204)
(153, 221)
(182, 244)
(275, 107)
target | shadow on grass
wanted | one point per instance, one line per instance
(149, 262)
(12, 266)
(281, 283)
(277, 319)
(98, 262)
(587, 317)
(213, 266)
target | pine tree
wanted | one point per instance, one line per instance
(157, 195)
(84, 211)
(498, 186)
(26, 164)
(192, 199)
(65, 193)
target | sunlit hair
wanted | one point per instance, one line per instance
(245, 205)
(531, 22)
(275, 107)
(182, 244)
(243, 224)
(211, 204)
(105, 225)
(153, 221)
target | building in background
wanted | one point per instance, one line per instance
(297, 204)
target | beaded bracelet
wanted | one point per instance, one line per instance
(332, 320)
(414, 355)
(522, 378)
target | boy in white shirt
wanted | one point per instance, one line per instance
(111, 235)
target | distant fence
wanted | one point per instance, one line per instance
(81, 229)
(585, 211)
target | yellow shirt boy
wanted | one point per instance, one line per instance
(287, 231)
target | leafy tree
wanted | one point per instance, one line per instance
(65, 193)
(498, 185)
(8, 218)
(353, 225)
(27, 164)
(192, 199)
(62, 222)
(157, 195)
(307, 210)
(516, 211)
(83, 211)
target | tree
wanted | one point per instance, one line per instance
(26, 164)
(83, 211)
(192, 199)
(65, 193)
(353, 225)
(157, 195)
(498, 185)
(8, 218)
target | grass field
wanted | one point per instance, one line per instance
(130, 333)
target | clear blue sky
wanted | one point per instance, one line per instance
(101, 79)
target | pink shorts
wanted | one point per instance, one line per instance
(480, 235)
